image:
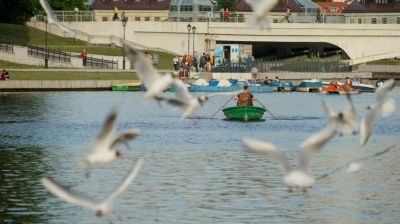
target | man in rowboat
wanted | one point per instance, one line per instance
(245, 98)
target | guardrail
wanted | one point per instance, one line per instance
(7, 48)
(56, 55)
(304, 66)
(101, 63)
(238, 17)
(53, 55)
(72, 16)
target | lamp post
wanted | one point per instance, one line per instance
(46, 56)
(124, 21)
(194, 31)
(76, 22)
(189, 28)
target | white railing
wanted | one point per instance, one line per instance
(302, 17)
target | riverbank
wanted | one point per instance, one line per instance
(78, 79)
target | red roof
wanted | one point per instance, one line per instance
(130, 5)
(327, 6)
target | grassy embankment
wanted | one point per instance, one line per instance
(18, 34)
(384, 62)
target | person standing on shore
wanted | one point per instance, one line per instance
(254, 73)
(175, 61)
(84, 57)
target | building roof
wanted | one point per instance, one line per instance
(370, 7)
(191, 2)
(294, 5)
(331, 4)
(327, 6)
(131, 4)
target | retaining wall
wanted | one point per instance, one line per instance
(25, 85)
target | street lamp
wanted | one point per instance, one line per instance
(194, 31)
(124, 21)
(189, 28)
(76, 22)
(46, 56)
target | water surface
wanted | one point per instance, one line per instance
(195, 170)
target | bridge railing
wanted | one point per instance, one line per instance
(72, 16)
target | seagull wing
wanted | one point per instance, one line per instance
(314, 144)
(181, 91)
(332, 116)
(51, 17)
(383, 90)
(388, 107)
(366, 125)
(104, 138)
(67, 195)
(144, 69)
(125, 183)
(158, 86)
(124, 137)
(268, 150)
(260, 12)
(350, 118)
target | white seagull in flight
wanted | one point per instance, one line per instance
(300, 176)
(346, 120)
(260, 8)
(382, 107)
(186, 101)
(155, 82)
(51, 18)
(100, 208)
(103, 147)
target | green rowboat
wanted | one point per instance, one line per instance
(244, 113)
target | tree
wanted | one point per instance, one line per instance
(67, 5)
(225, 4)
(18, 12)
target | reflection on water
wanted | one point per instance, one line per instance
(20, 192)
(195, 170)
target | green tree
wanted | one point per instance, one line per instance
(225, 4)
(18, 12)
(67, 5)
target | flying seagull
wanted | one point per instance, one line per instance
(51, 18)
(346, 120)
(103, 147)
(155, 82)
(185, 101)
(382, 107)
(300, 176)
(260, 8)
(100, 208)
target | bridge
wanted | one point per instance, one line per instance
(360, 42)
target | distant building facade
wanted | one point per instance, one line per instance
(135, 10)
(373, 12)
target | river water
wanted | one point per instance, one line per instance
(195, 170)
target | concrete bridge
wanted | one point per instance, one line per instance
(361, 42)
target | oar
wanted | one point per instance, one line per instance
(265, 108)
(230, 98)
